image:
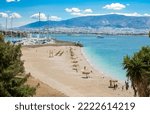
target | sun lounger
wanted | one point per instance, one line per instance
(61, 53)
(57, 53)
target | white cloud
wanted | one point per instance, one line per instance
(85, 14)
(125, 14)
(115, 6)
(15, 15)
(88, 11)
(36, 16)
(79, 12)
(146, 14)
(12, 0)
(132, 14)
(3, 15)
(68, 10)
(44, 17)
(12, 15)
(72, 10)
(55, 18)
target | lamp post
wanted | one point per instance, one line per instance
(11, 25)
(6, 23)
(39, 22)
(5, 16)
(48, 31)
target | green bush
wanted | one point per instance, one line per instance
(12, 76)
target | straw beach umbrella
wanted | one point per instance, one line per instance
(85, 71)
(75, 65)
(75, 68)
(75, 61)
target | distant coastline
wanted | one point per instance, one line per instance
(21, 33)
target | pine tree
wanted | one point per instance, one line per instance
(12, 75)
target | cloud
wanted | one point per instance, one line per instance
(130, 14)
(125, 14)
(36, 16)
(115, 6)
(12, 0)
(12, 15)
(88, 11)
(72, 10)
(44, 17)
(147, 14)
(133, 14)
(55, 18)
(79, 12)
(3, 15)
(15, 15)
(85, 14)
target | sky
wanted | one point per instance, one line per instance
(26, 11)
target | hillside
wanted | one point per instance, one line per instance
(113, 20)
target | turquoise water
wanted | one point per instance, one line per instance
(107, 53)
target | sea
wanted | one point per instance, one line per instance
(106, 54)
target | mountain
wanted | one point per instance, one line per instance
(112, 20)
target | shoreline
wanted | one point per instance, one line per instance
(58, 73)
(99, 70)
(103, 75)
(90, 63)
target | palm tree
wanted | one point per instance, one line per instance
(138, 71)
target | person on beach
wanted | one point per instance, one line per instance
(122, 88)
(50, 53)
(115, 86)
(127, 85)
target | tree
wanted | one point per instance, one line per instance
(12, 76)
(138, 71)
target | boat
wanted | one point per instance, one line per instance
(99, 36)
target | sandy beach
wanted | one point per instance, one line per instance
(65, 69)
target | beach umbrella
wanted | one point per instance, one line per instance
(75, 65)
(74, 61)
(73, 57)
(86, 72)
(75, 68)
(72, 54)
